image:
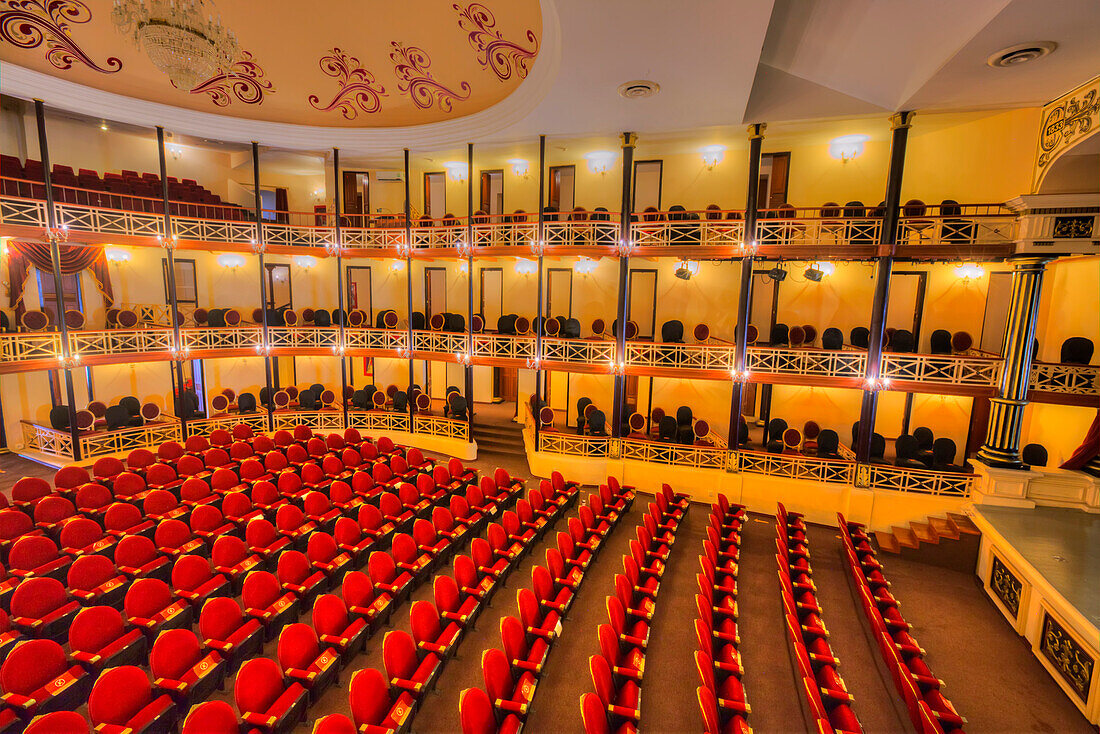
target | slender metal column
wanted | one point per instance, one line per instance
(409, 284)
(629, 141)
(744, 297)
(263, 280)
(1006, 411)
(539, 241)
(169, 250)
(58, 285)
(340, 288)
(468, 368)
(888, 236)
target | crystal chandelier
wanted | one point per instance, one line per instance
(183, 38)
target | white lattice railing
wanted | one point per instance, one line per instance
(948, 369)
(682, 356)
(290, 235)
(794, 466)
(15, 212)
(433, 425)
(376, 339)
(817, 362)
(439, 342)
(794, 232)
(441, 236)
(203, 426)
(581, 234)
(515, 234)
(25, 347)
(957, 231)
(503, 346)
(120, 341)
(1074, 379)
(318, 420)
(578, 351)
(373, 237)
(53, 442)
(703, 233)
(920, 481)
(289, 337)
(229, 338)
(376, 421)
(657, 452)
(47, 440)
(213, 230)
(78, 218)
(571, 444)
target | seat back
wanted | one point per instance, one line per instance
(31, 665)
(259, 684)
(369, 697)
(175, 652)
(118, 696)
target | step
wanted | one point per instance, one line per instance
(498, 430)
(484, 451)
(964, 523)
(944, 527)
(924, 532)
(887, 542)
(906, 537)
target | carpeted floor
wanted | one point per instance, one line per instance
(991, 675)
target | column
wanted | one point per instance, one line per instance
(341, 347)
(409, 289)
(884, 265)
(178, 350)
(540, 240)
(265, 349)
(629, 141)
(1006, 411)
(468, 367)
(744, 298)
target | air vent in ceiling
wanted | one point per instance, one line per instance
(638, 89)
(1021, 54)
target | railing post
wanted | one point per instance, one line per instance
(899, 124)
(468, 367)
(630, 140)
(342, 346)
(409, 287)
(259, 248)
(58, 285)
(1006, 411)
(744, 296)
(539, 240)
(169, 250)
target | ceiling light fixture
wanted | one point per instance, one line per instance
(185, 39)
(847, 147)
(584, 266)
(456, 170)
(519, 166)
(1021, 54)
(599, 161)
(713, 155)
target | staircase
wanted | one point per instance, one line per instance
(949, 542)
(499, 438)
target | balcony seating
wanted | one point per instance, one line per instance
(1076, 350)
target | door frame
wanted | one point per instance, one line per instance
(548, 281)
(269, 268)
(370, 288)
(427, 189)
(481, 289)
(344, 191)
(634, 184)
(481, 187)
(551, 187)
(428, 293)
(630, 296)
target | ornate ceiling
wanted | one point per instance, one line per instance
(331, 63)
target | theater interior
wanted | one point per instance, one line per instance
(549, 365)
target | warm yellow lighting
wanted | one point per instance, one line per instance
(116, 255)
(397, 266)
(176, 151)
(526, 267)
(713, 155)
(519, 166)
(969, 271)
(231, 260)
(103, 126)
(463, 266)
(305, 261)
(456, 170)
(687, 269)
(584, 266)
(826, 268)
(599, 161)
(847, 147)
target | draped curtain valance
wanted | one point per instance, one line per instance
(74, 258)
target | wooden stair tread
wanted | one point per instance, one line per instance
(944, 527)
(906, 537)
(924, 532)
(887, 542)
(964, 523)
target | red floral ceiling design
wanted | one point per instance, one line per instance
(335, 63)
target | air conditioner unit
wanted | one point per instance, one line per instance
(389, 176)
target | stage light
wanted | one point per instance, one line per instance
(456, 170)
(116, 255)
(685, 269)
(305, 261)
(519, 166)
(777, 274)
(847, 147)
(231, 260)
(826, 268)
(814, 275)
(713, 155)
(599, 161)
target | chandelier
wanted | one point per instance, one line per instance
(183, 38)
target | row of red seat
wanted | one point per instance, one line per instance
(930, 711)
(512, 672)
(616, 704)
(721, 696)
(830, 703)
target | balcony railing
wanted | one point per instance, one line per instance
(921, 481)
(712, 229)
(503, 346)
(586, 233)
(59, 444)
(818, 362)
(1074, 379)
(439, 342)
(936, 368)
(832, 471)
(699, 457)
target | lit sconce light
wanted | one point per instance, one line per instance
(180, 353)
(463, 358)
(519, 166)
(874, 384)
(305, 261)
(397, 266)
(533, 363)
(618, 368)
(713, 155)
(456, 170)
(584, 266)
(69, 363)
(318, 194)
(4, 247)
(403, 353)
(747, 249)
(969, 271)
(685, 269)
(526, 267)
(464, 266)
(819, 270)
(174, 150)
(171, 242)
(625, 248)
(231, 260)
(339, 350)
(103, 126)
(264, 350)
(599, 161)
(740, 376)
(462, 248)
(847, 147)
(116, 255)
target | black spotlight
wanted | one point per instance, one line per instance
(814, 274)
(777, 274)
(683, 273)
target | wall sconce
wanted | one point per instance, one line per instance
(319, 194)
(584, 266)
(463, 358)
(264, 350)
(526, 267)
(533, 363)
(599, 160)
(874, 384)
(464, 266)
(737, 376)
(72, 362)
(686, 269)
(519, 166)
(116, 255)
(397, 266)
(174, 150)
(713, 155)
(456, 170)
(305, 261)
(231, 260)
(969, 271)
(618, 368)
(338, 350)
(847, 147)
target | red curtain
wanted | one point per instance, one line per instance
(74, 258)
(1088, 449)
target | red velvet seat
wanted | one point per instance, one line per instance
(82, 536)
(411, 499)
(487, 562)
(51, 513)
(478, 716)
(537, 621)
(343, 498)
(173, 539)
(319, 510)
(37, 555)
(92, 500)
(409, 669)
(163, 476)
(509, 694)
(194, 580)
(265, 702)
(374, 524)
(160, 504)
(298, 577)
(432, 633)
(41, 607)
(208, 523)
(504, 547)
(123, 701)
(375, 708)
(363, 601)
(351, 540)
(129, 486)
(232, 559)
(28, 491)
(35, 679)
(183, 670)
(237, 509)
(137, 557)
(479, 503)
(326, 556)
(305, 661)
(212, 717)
(266, 498)
(93, 579)
(627, 661)
(58, 722)
(292, 524)
(597, 720)
(713, 722)
(195, 492)
(265, 601)
(525, 653)
(123, 518)
(14, 524)
(452, 604)
(386, 576)
(409, 558)
(336, 628)
(65, 481)
(226, 630)
(150, 606)
(551, 595)
(428, 488)
(262, 539)
(572, 554)
(622, 702)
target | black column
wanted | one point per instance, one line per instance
(744, 296)
(409, 284)
(883, 267)
(263, 280)
(66, 357)
(540, 239)
(169, 250)
(340, 349)
(629, 141)
(468, 368)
